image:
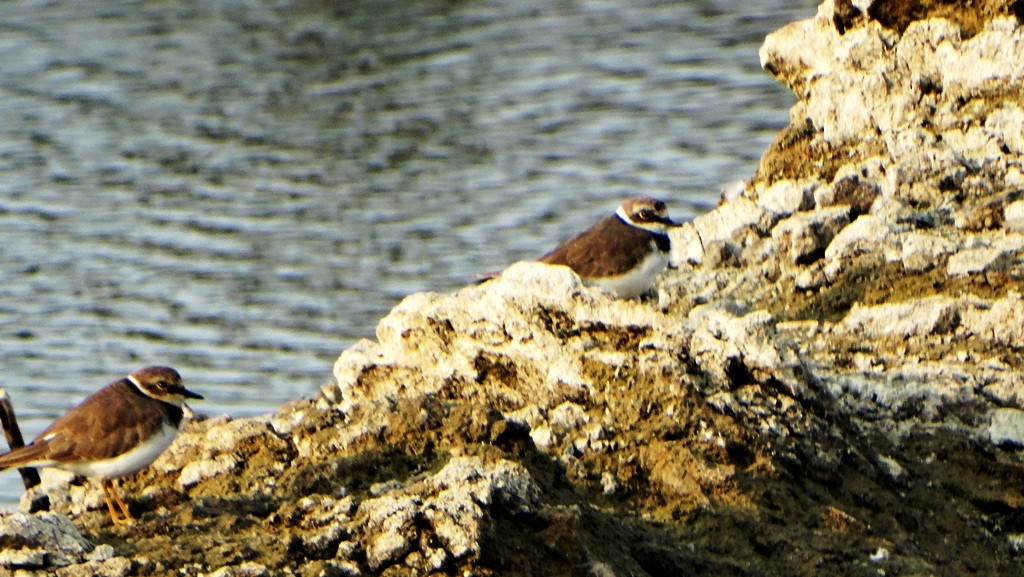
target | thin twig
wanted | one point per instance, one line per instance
(29, 475)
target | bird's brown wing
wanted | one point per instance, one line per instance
(609, 248)
(106, 424)
(19, 457)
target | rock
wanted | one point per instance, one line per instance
(198, 471)
(101, 553)
(730, 220)
(850, 191)
(1007, 426)
(389, 528)
(1004, 125)
(922, 252)
(1000, 322)
(1013, 217)
(866, 234)
(722, 344)
(453, 503)
(227, 437)
(687, 246)
(802, 238)
(113, 567)
(24, 558)
(975, 260)
(892, 468)
(720, 254)
(985, 255)
(979, 217)
(46, 540)
(247, 569)
(812, 277)
(730, 191)
(787, 197)
(224, 449)
(320, 525)
(928, 316)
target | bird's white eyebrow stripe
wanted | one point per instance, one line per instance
(622, 214)
(139, 386)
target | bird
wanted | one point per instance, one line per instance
(116, 431)
(623, 253)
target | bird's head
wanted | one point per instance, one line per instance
(646, 213)
(163, 384)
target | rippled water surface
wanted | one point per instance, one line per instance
(242, 189)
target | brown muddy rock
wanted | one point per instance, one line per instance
(940, 103)
(906, 320)
(534, 346)
(908, 114)
(481, 428)
(971, 17)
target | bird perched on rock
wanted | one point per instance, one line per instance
(622, 253)
(114, 432)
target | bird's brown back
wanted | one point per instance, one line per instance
(609, 248)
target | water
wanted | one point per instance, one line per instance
(242, 189)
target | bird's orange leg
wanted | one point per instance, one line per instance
(124, 517)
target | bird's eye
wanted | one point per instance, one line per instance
(645, 214)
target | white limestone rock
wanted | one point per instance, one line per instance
(802, 238)
(920, 317)
(921, 251)
(41, 541)
(196, 472)
(999, 322)
(866, 234)
(1013, 216)
(787, 197)
(246, 569)
(1007, 426)
(537, 320)
(451, 504)
(1004, 125)
(24, 558)
(728, 221)
(975, 260)
(721, 339)
(812, 277)
(113, 567)
(388, 528)
(687, 246)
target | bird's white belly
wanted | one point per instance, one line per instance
(125, 463)
(635, 282)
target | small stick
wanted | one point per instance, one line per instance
(29, 475)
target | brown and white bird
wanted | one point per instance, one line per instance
(622, 253)
(114, 432)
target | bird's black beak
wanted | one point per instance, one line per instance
(669, 222)
(189, 394)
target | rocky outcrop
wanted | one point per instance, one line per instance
(828, 382)
(49, 543)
